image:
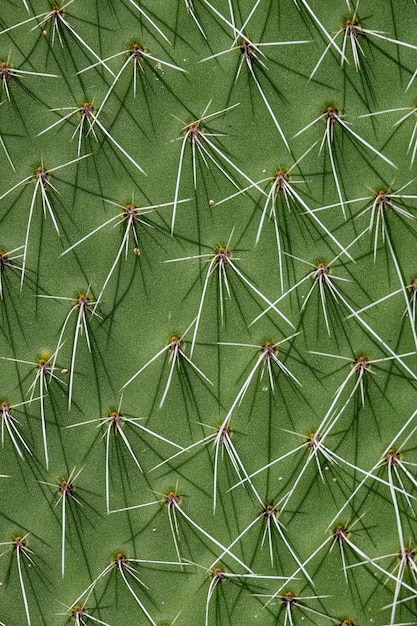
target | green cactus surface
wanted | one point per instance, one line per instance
(208, 281)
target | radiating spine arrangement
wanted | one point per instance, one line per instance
(208, 287)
